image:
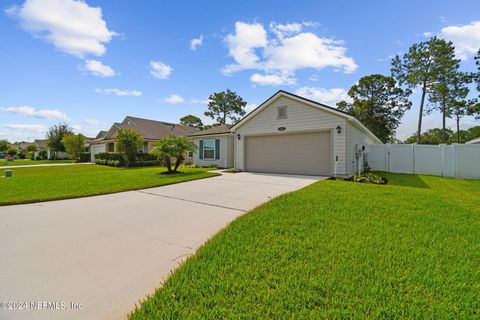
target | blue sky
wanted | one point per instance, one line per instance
(90, 63)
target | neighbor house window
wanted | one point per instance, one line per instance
(190, 154)
(282, 112)
(209, 149)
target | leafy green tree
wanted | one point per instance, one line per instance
(191, 121)
(55, 135)
(172, 150)
(4, 145)
(431, 136)
(419, 67)
(12, 151)
(74, 145)
(379, 104)
(443, 90)
(128, 142)
(225, 105)
(458, 104)
(32, 147)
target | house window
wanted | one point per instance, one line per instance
(209, 149)
(282, 112)
(190, 154)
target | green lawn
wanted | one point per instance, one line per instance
(338, 250)
(23, 162)
(35, 184)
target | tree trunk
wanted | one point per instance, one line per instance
(443, 118)
(420, 115)
(168, 164)
(458, 129)
(178, 163)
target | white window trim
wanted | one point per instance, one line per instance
(214, 150)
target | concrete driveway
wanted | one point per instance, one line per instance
(96, 257)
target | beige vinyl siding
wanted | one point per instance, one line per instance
(226, 143)
(301, 117)
(355, 137)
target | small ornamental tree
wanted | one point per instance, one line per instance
(4, 145)
(129, 142)
(55, 135)
(172, 149)
(74, 145)
(12, 151)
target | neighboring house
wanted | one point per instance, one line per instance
(21, 146)
(150, 130)
(215, 147)
(292, 135)
(474, 141)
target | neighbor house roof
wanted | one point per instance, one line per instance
(312, 103)
(220, 129)
(473, 141)
(41, 144)
(101, 134)
(148, 129)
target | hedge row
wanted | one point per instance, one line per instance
(115, 159)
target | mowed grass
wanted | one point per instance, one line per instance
(23, 162)
(338, 250)
(35, 184)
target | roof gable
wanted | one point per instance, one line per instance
(314, 104)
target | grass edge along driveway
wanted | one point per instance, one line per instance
(335, 249)
(36, 184)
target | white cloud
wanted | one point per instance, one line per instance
(72, 26)
(27, 111)
(91, 121)
(119, 92)
(35, 128)
(283, 51)
(199, 101)
(314, 78)
(326, 96)
(242, 45)
(282, 30)
(195, 43)
(427, 34)
(98, 69)
(272, 79)
(465, 37)
(160, 70)
(174, 99)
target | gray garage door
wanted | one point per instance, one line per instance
(302, 153)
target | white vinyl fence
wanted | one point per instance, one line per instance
(455, 161)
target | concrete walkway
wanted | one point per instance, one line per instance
(97, 257)
(44, 165)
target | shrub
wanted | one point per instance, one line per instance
(73, 144)
(84, 157)
(368, 178)
(31, 155)
(12, 151)
(22, 154)
(146, 157)
(128, 143)
(42, 155)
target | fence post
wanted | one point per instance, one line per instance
(387, 154)
(413, 157)
(455, 155)
(442, 158)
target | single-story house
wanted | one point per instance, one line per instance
(150, 130)
(215, 147)
(21, 146)
(474, 141)
(288, 134)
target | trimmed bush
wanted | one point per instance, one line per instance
(84, 157)
(115, 159)
(42, 155)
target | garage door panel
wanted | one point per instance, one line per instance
(301, 153)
